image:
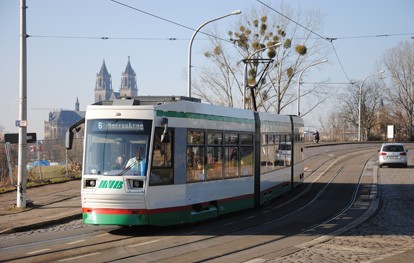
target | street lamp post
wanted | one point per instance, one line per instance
(359, 103)
(236, 12)
(300, 76)
(245, 70)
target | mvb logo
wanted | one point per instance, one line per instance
(111, 184)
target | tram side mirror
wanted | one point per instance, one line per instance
(69, 140)
(69, 133)
(165, 137)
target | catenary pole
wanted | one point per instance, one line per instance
(22, 156)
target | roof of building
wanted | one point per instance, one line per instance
(65, 116)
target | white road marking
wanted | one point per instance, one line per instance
(74, 242)
(78, 257)
(38, 251)
(256, 260)
(106, 234)
(145, 243)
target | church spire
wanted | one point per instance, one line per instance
(103, 87)
(77, 104)
(128, 81)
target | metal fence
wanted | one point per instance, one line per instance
(46, 160)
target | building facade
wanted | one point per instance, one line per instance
(60, 120)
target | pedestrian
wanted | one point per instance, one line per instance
(316, 136)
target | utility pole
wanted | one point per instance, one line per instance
(22, 123)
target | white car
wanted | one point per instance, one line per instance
(392, 154)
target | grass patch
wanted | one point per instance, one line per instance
(50, 175)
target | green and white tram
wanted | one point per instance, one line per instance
(173, 160)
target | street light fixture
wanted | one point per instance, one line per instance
(359, 103)
(236, 12)
(245, 70)
(300, 76)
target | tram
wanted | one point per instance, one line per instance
(169, 160)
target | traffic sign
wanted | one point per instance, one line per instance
(21, 123)
(14, 137)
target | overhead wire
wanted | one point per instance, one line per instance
(340, 63)
(168, 20)
(374, 36)
(314, 33)
(293, 21)
(109, 38)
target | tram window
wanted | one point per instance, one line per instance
(214, 166)
(265, 164)
(195, 137)
(162, 159)
(195, 164)
(214, 138)
(246, 139)
(231, 138)
(246, 160)
(283, 153)
(278, 138)
(231, 165)
(264, 139)
(288, 137)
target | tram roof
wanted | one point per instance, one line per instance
(146, 100)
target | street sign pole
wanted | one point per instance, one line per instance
(22, 156)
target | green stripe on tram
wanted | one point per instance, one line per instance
(201, 116)
(113, 219)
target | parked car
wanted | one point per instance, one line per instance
(392, 154)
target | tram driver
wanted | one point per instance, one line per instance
(119, 163)
(137, 163)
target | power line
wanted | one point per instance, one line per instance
(149, 14)
(374, 36)
(313, 32)
(293, 21)
(109, 38)
(326, 83)
(167, 20)
(340, 63)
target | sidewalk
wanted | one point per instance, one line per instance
(52, 203)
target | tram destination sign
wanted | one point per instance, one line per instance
(118, 125)
(13, 138)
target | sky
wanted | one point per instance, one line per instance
(66, 49)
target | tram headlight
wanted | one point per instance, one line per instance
(90, 183)
(137, 184)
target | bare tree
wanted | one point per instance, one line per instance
(399, 61)
(221, 80)
(371, 103)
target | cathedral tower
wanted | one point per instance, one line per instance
(103, 87)
(128, 82)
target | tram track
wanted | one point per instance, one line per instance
(231, 236)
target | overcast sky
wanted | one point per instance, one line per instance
(60, 69)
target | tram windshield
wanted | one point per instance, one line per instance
(116, 147)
